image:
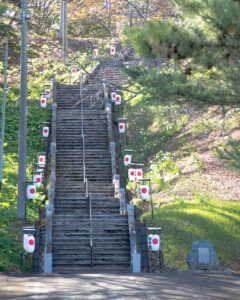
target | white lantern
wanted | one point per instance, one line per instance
(45, 131)
(74, 71)
(42, 161)
(31, 191)
(96, 53)
(154, 242)
(28, 243)
(43, 102)
(144, 193)
(40, 172)
(37, 180)
(113, 96)
(47, 93)
(139, 174)
(131, 174)
(127, 159)
(122, 127)
(118, 99)
(113, 50)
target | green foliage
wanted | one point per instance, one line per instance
(3, 9)
(195, 55)
(231, 153)
(201, 219)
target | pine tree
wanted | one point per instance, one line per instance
(194, 56)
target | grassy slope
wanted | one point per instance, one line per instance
(44, 63)
(195, 192)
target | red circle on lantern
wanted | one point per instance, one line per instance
(32, 191)
(41, 159)
(38, 179)
(43, 101)
(74, 70)
(31, 242)
(45, 130)
(126, 159)
(118, 98)
(113, 50)
(121, 126)
(144, 190)
(47, 92)
(139, 174)
(132, 173)
(155, 241)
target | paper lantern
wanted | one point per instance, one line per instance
(154, 242)
(40, 172)
(45, 131)
(38, 180)
(131, 174)
(118, 99)
(47, 93)
(139, 174)
(74, 71)
(28, 243)
(122, 127)
(113, 96)
(42, 161)
(113, 50)
(96, 53)
(31, 191)
(144, 193)
(127, 159)
(43, 102)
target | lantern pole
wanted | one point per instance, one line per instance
(150, 189)
(21, 205)
(3, 112)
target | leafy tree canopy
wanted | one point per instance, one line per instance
(194, 56)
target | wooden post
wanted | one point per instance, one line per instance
(122, 197)
(113, 158)
(36, 253)
(144, 246)
(22, 149)
(65, 32)
(109, 122)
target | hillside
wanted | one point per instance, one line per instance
(44, 63)
(195, 181)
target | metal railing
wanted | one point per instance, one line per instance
(87, 195)
(51, 190)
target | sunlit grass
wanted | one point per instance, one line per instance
(185, 222)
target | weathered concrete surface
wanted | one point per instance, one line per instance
(120, 286)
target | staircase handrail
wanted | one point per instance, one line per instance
(51, 190)
(87, 195)
(119, 183)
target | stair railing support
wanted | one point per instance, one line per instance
(119, 191)
(51, 190)
(135, 256)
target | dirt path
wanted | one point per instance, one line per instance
(120, 286)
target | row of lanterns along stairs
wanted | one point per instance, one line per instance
(68, 247)
(77, 239)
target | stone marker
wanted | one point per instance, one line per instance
(202, 256)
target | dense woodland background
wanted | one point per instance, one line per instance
(183, 122)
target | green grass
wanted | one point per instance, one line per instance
(201, 219)
(44, 64)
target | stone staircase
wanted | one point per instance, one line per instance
(71, 230)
